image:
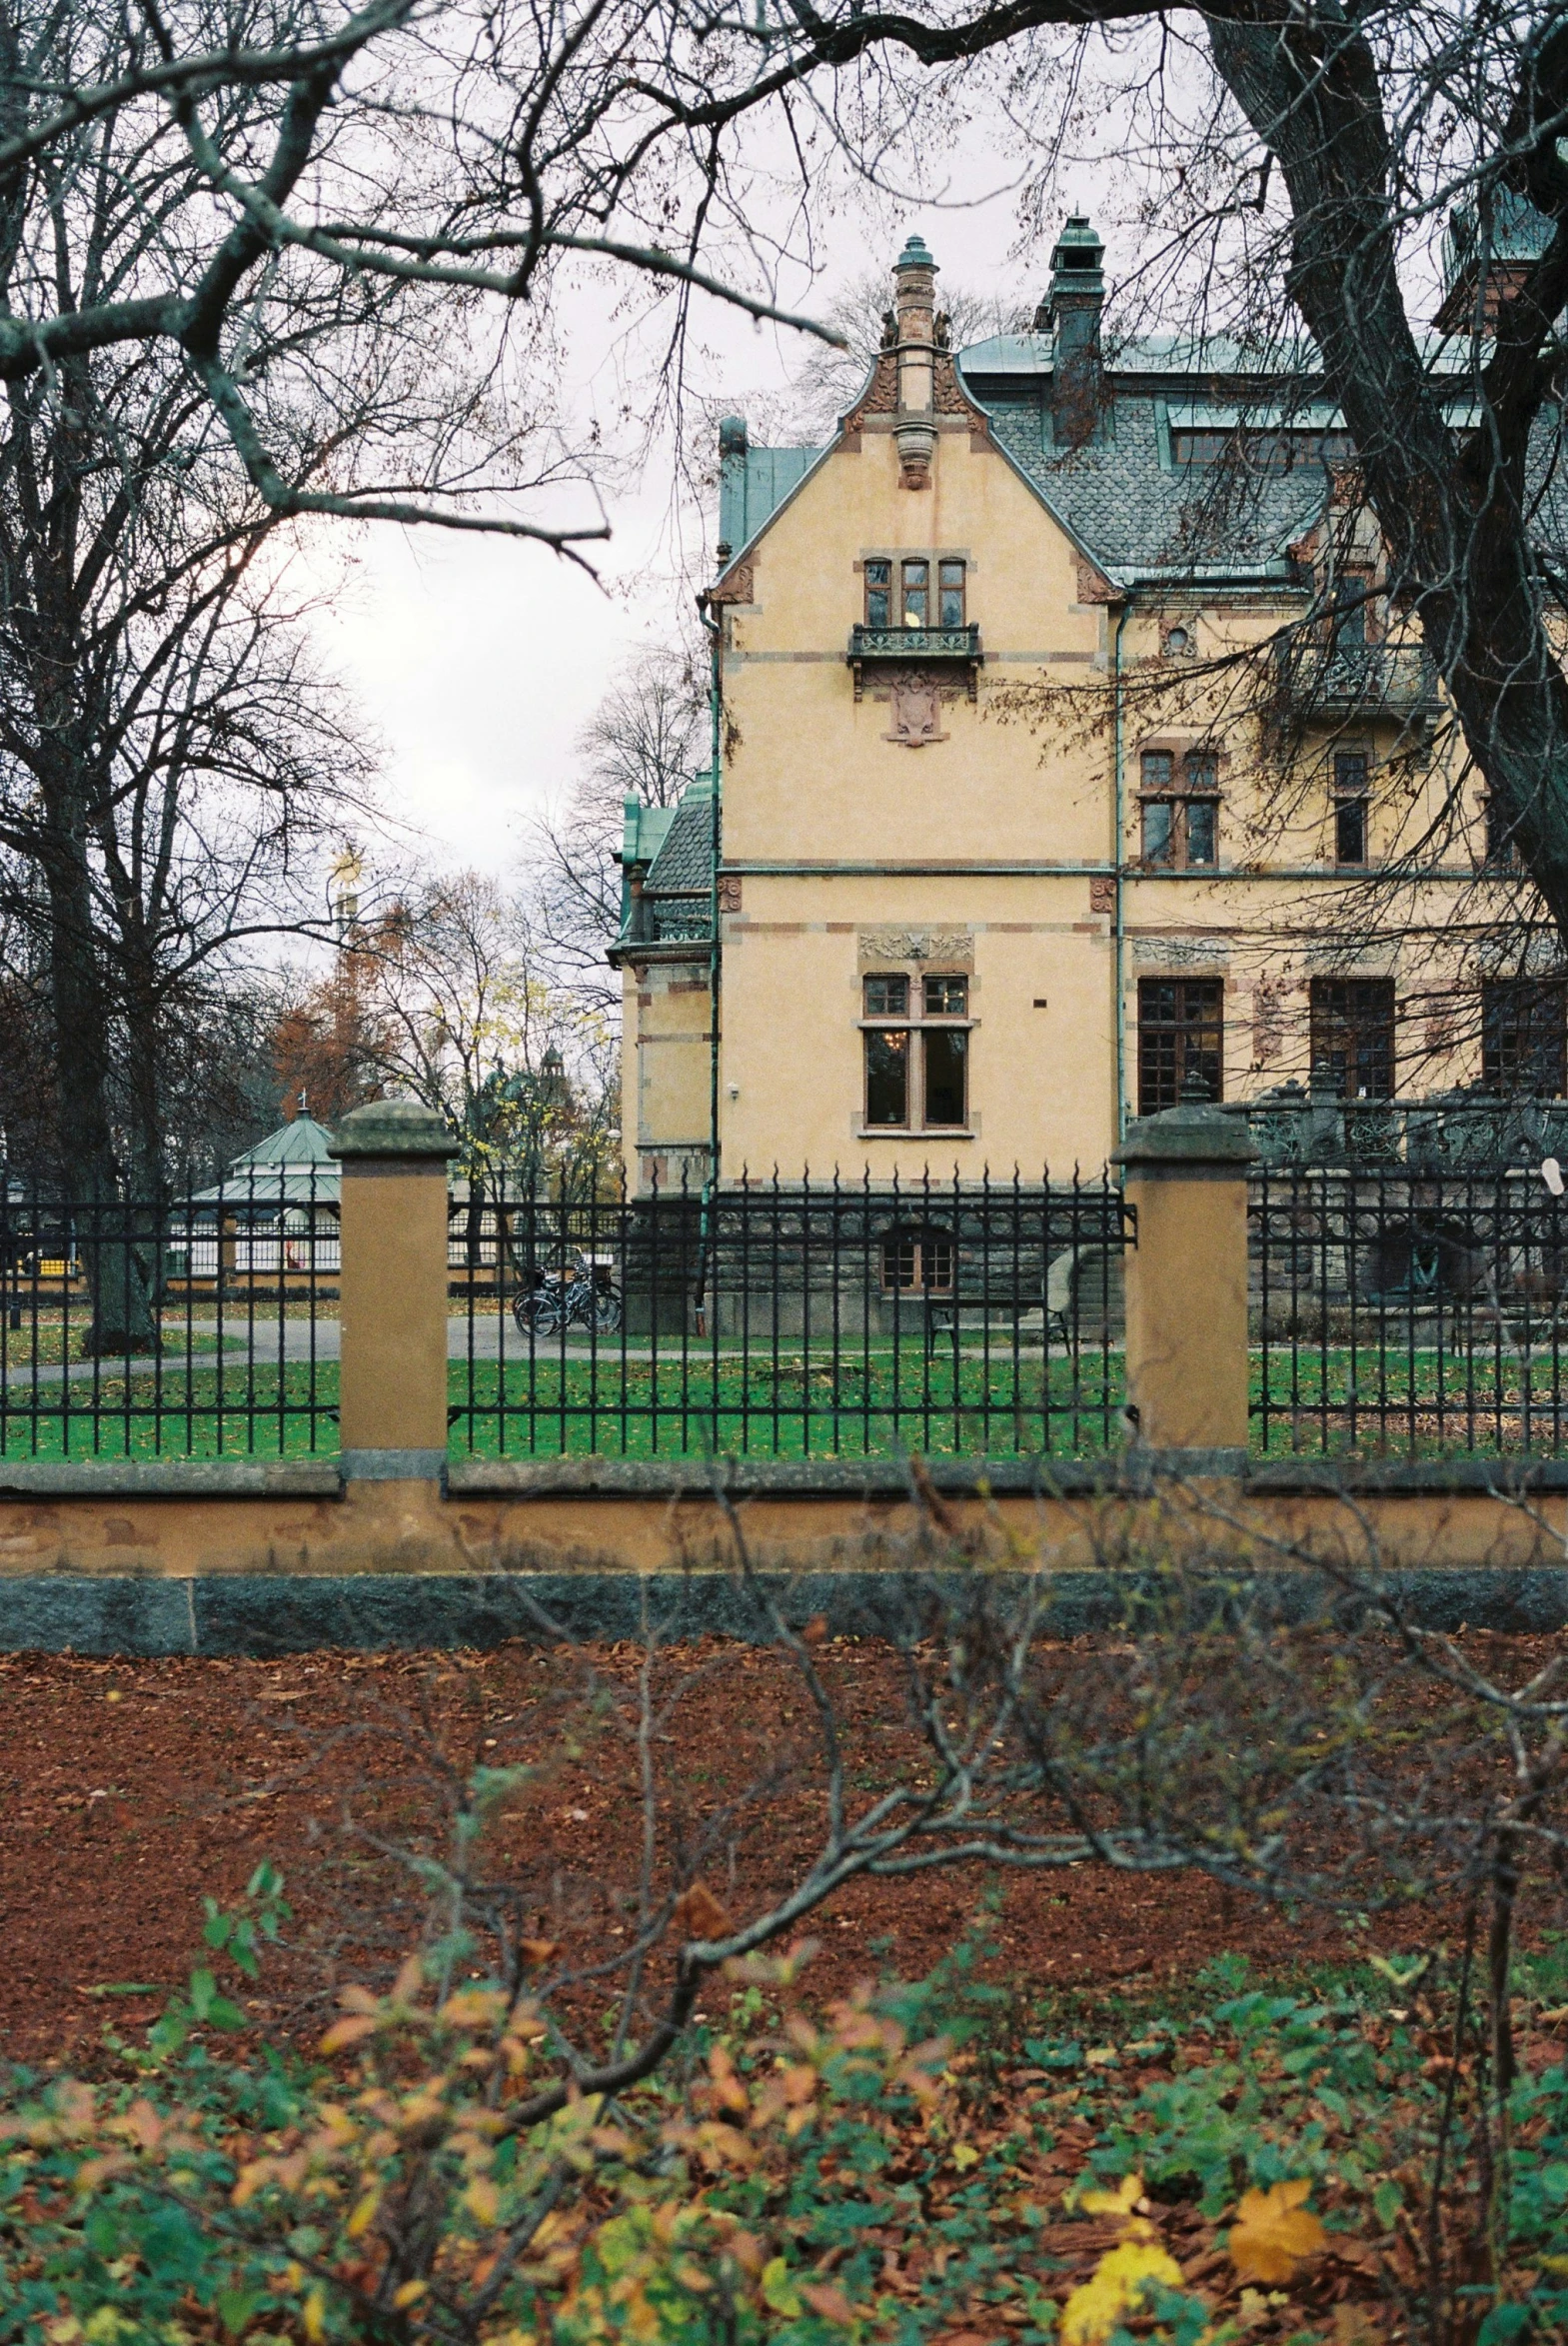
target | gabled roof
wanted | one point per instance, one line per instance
(753, 482)
(302, 1141)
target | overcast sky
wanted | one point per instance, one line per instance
(478, 661)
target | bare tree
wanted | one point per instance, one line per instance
(1301, 154)
(643, 742)
(462, 1014)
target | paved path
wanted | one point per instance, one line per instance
(263, 1350)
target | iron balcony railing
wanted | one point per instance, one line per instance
(1356, 680)
(1446, 1132)
(950, 648)
(914, 643)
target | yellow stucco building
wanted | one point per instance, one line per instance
(1068, 757)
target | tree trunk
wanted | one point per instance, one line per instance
(114, 1251)
(1454, 521)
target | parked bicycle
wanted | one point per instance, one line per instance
(583, 1297)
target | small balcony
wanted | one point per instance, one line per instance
(1333, 681)
(956, 648)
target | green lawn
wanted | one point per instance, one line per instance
(873, 1405)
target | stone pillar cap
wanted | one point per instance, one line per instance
(392, 1127)
(1190, 1134)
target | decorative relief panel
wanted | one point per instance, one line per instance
(728, 891)
(946, 948)
(1179, 952)
(915, 705)
(1102, 896)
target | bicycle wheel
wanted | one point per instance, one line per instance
(537, 1311)
(607, 1309)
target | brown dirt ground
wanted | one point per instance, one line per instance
(131, 1788)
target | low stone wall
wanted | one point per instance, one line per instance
(253, 1557)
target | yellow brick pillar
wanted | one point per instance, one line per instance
(391, 1408)
(1185, 1175)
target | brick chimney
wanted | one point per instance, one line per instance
(1072, 314)
(914, 311)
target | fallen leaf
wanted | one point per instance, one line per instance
(1274, 2233)
(1123, 2201)
(828, 2300)
(1116, 2285)
(699, 1915)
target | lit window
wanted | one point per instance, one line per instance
(917, 1072)
(887, 1078)
(916, 594)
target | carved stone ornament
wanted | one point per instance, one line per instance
(733, 587)
(1177, 952)
(915, 708)
(889, 949)
(1102, 896)
(730, 892)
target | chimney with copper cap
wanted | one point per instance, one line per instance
(1072, 315)
(914, 305)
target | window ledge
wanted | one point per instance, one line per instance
(915, 1133)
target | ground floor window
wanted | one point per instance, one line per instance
(1524, 1036)
(917, 1069)
(1181, 1032)
(1352, 1040)
(917, 1261)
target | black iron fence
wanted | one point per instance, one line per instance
(1407, 1312)
(798, 1320)
(1395, 1310)
(1441, 1133)
(191, 1326)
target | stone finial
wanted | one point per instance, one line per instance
(392, 1127)
(1196, 1134)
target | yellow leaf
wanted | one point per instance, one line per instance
(1120, 2202)
(364, 2214)
(964, 2157)
(409, 2294)
(313, 2316)
(1274, 2233)
(347, 2032)
(484, 2199)
(1115, 2287)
